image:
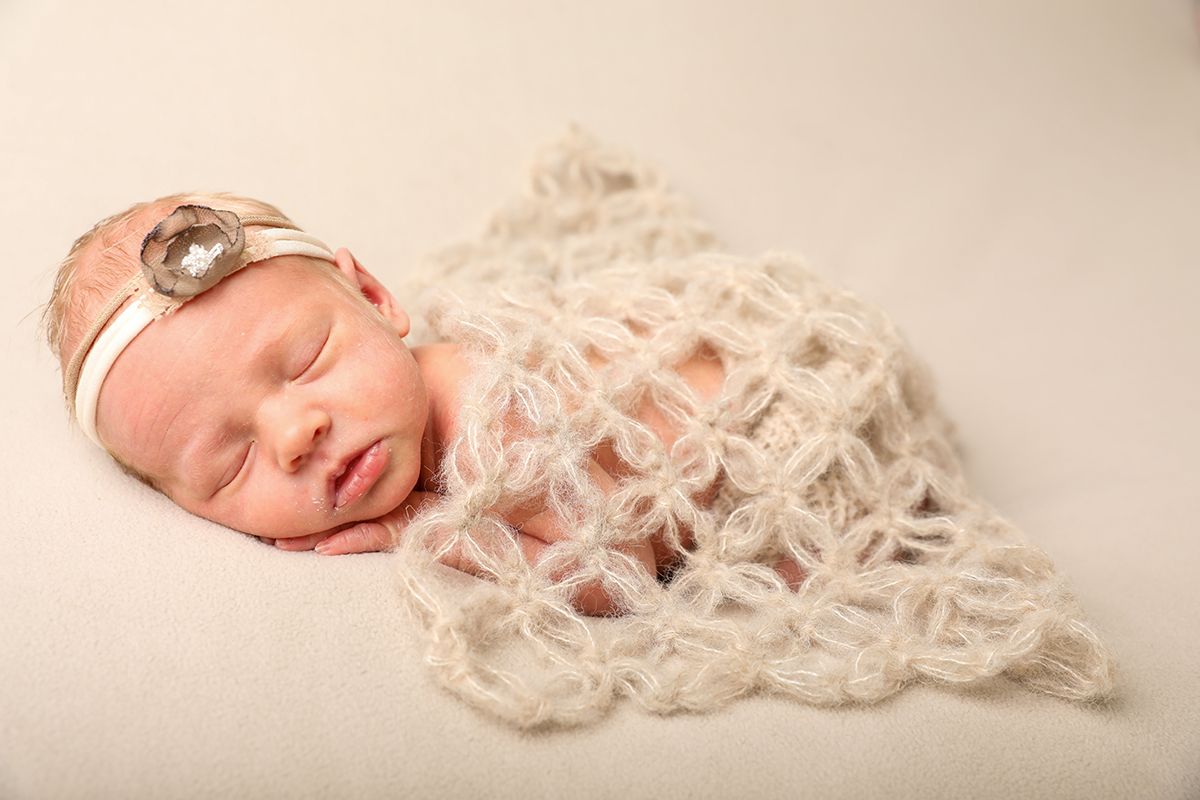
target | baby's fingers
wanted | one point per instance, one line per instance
(365, 537)
(301, 542)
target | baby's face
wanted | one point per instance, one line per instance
(247, 402)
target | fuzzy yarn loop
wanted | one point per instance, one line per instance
(908, 576)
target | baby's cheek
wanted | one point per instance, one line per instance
(273, 512)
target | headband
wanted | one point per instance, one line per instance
(186, 254)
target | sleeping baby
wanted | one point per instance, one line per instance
(258, 379)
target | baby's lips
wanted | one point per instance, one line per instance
(361, 475)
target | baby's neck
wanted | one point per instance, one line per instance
(443, 370)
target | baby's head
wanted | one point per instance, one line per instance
(245, 403)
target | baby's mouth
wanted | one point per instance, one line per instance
(358, 474)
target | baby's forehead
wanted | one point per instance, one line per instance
(283, 288)
(249, 311)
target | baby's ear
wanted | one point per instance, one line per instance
(372, 289)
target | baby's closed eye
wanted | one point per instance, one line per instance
(238, 467)
(309, 355)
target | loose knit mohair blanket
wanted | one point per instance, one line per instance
(907, 576)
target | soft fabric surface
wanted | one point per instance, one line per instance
(1013, 181)
(573, 309)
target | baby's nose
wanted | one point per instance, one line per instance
(299, 437)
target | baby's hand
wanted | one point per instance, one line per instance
(360, 537)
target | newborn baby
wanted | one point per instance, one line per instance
(261, 381)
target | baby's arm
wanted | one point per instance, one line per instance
(540, 527)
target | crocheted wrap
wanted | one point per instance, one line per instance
(907, 575)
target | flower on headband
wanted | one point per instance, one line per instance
(191, 250)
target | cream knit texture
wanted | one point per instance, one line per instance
(834, 451)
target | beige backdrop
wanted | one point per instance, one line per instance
(1018, 183)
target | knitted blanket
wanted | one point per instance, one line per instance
(907, 575)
